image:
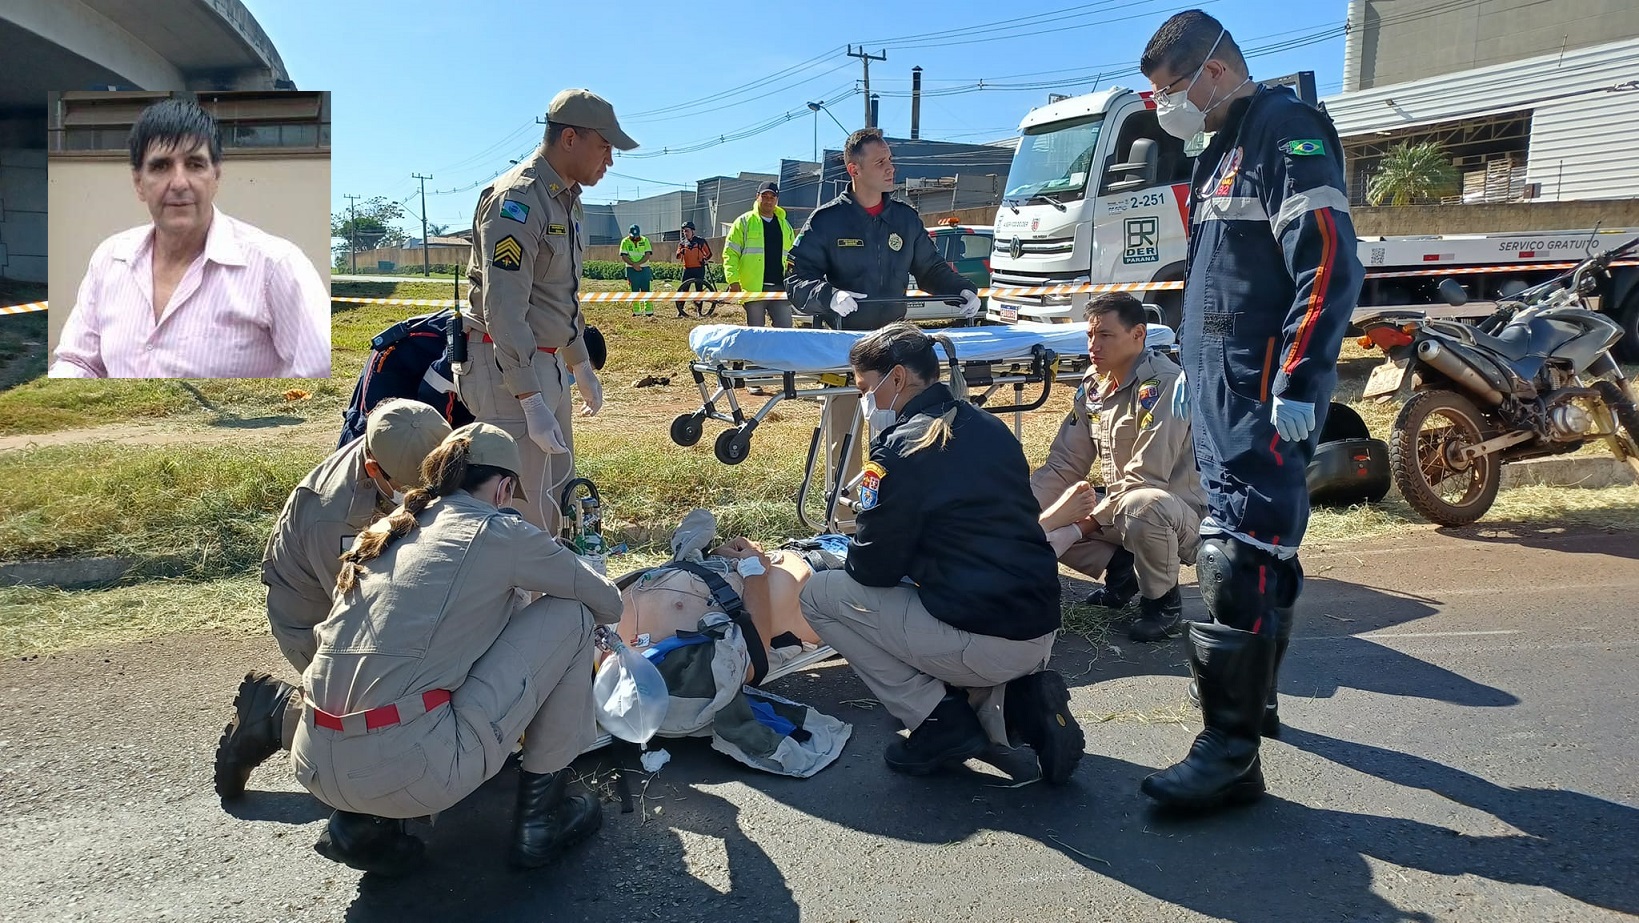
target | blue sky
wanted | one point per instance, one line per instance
(453, 89)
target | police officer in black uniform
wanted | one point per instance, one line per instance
(865, 244)
(949, 603)
(1272, 279)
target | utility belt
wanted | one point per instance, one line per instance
(360, 722)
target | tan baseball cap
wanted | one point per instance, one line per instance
(493, 446)
(585, 109)
(399, 434)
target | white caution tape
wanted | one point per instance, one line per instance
(24, 308)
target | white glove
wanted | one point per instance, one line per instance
(591, 390)
(543, 425)
(1180, 399)
(970, 304)
(1294, 420)
(845, 303)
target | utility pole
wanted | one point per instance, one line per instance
(866, 58)
(426, 265)
(353, 231)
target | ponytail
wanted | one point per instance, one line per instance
(444, 472)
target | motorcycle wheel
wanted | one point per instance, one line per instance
(1627, 420)
(1431, 429)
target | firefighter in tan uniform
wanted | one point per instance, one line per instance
(527, 333)
(1147, 523)
(431, 665)
(355, 486)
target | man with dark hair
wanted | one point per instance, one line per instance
(1147, 522)
(194, 293)
(1271, 281)
(864, 244)
(526, 332)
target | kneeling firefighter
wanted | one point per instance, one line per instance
(430, 666)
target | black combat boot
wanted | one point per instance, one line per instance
(1233, 669)
(950, 735)
(1036, 709)
(254, 733)
(1159, 619)
(549, 820)
(370, 844)
(1120, 582)
(1271, 709)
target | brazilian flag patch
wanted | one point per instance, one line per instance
(1304, 148)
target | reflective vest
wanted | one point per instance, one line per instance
(744, 250)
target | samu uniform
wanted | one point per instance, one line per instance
(1153, 501)
(526, 328)
(949, 578)
(430, 669)
(1271, 281)
(1273, 277)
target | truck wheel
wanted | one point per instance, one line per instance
(1431, 429)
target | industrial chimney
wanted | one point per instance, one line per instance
(916, 103)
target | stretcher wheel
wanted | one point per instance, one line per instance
(686, 429)
(732, 446)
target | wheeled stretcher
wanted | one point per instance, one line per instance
(1021, 362)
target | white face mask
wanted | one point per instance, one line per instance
(1180, 117)
(398, 498)
(877, 415)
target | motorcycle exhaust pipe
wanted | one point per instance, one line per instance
(1457, 370)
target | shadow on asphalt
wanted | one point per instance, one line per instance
(1551, 538)
(278, 807)
(1581, 846)
(1326, 654)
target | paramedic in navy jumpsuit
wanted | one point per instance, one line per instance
(1271, 282)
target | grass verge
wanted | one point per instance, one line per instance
(37, 621)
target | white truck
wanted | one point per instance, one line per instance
(1098, 193)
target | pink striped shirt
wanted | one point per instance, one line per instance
(251, 306)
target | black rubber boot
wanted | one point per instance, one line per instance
(1271, 709)
(950, 735)
(1233, 669)
(1159, 619)
(254, 733)
(1036, 709)
(370, 844)
(1120, 582)
(549, 820)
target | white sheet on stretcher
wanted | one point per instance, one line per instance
(827, 350)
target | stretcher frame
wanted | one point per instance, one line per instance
(1030, 377)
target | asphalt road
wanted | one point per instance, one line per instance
(1460, 746)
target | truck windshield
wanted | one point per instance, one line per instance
(1054, 160)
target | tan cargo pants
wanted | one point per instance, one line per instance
(906, 656)
(1159, 529)
(487, 396)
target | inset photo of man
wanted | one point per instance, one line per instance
(189, 234)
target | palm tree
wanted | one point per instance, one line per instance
(1412, 173)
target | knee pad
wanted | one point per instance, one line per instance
(1244, 586)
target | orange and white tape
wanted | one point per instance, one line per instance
(1470, 270)
(412, 302)
(24, 308)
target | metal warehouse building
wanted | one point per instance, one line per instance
(1532, 100)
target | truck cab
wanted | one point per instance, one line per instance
(1097, 193)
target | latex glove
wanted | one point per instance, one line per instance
(970, 304)
(543, 425)
(845, 303)
(1294, 420)
(591, 390)
(1180, 398)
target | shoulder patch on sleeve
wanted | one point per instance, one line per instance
(1305, 148)
(509, 254)
(870, 485)
(517, 211)
(1149, 394)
